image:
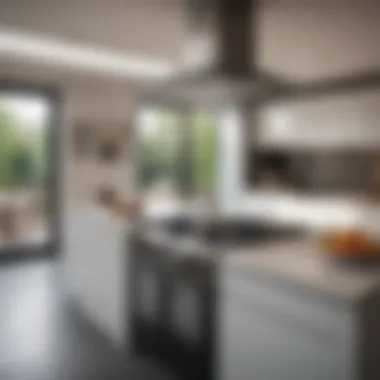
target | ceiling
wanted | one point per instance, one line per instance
(152, 28)
(303, 40)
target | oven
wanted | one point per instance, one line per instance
(191, 319)
(149, 300)
(175, 291)
(173, 306)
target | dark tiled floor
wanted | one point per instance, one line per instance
(42, 339)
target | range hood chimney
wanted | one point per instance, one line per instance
(220, 36)
(218, 62)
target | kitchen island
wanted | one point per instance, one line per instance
(238, 299)
(287, 312)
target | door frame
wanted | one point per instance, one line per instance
(53, 184)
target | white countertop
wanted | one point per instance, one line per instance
(305, 264)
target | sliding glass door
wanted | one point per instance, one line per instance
(177, 152)
(159, 145)
(28, 172)
(204, 148)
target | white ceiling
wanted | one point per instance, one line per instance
(315, 42)
(299, 39)
(153, 29)
(149, 27)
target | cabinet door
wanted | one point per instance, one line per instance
(261, 348)
(270, 341)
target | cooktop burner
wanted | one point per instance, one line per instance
(195, 236)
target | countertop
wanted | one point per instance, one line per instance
(304, 263)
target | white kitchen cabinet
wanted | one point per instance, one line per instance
(270, 332)
(95, 264)
(329, 122)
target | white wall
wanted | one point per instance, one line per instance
(95, 267)
(94, 257)
(103, 110)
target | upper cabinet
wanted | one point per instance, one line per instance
(328, 122)
(328, 144)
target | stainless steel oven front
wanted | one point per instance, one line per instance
(149, 300)
(191, 316)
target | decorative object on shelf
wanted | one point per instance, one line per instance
(111, 142)
(109, 149)
(109, 198)
(97, 142)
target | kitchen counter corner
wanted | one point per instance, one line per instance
(303, 263)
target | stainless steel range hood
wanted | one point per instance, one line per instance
(218, 63)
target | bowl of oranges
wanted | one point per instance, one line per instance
(351, 244)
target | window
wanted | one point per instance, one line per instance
(176, 153)
(159, 145)
(27, 213)
(204, 150)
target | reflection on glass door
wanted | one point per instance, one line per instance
(24, 166)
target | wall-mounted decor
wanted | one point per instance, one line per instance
(100, 153)
(106, 143)
(113, 141)
(109, 149)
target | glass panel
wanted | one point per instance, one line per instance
(159, 144)
(204, 148)
(23, 170)
(230, 157)
(177, 155)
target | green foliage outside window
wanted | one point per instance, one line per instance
(158, 153)
(204, 147)
(183, 160)
(21, 156)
